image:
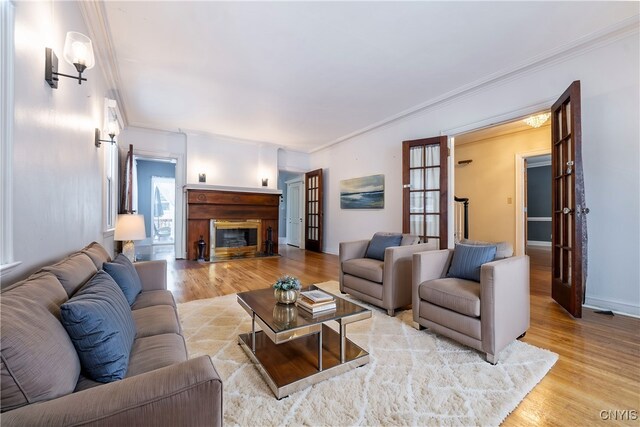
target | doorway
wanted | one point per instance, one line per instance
(294, 216)
(154, 197)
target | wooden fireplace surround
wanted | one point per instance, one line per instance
(205, 205)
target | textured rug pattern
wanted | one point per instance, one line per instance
(414, 377)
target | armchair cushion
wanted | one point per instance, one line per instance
(459, 295)
(99, 323)
(380, 242)
(366, 268)
(467, 260)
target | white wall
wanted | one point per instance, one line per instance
(231, 162)
(57, 170)
(610, 136)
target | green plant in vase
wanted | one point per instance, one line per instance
(286, 289)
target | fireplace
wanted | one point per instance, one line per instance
(235, 238)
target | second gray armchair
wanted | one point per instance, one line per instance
(380, 276)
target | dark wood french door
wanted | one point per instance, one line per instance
(568, 205)
(313, 212)
(424, 189)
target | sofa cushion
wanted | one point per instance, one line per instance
(41, 288)
(38, 360)
(126, 276)
(99, 322)
(156, 320)
(381, 241)
(151, 298)
(158, 351)
(367, 268)
(97, 253)
(503, 249)
(462, 296)
(73, 272)
(467, 260)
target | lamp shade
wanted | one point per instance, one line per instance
(78, 50)
(130, 227)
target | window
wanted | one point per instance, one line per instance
(6, 136)
(111, 118)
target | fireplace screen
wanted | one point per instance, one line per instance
(235, 238)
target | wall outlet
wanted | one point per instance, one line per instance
(509, 200)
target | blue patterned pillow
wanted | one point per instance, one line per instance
(467, 260)
(380, 242)
(99, 322)
(126, 276)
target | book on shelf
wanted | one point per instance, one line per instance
(317, 296)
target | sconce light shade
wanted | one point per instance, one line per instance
(129, 227)
(265, 182)
(78, 51)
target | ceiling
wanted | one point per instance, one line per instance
(306, 74)
(498, 130)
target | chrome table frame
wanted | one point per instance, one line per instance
(288, 337)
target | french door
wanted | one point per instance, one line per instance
(314, 214)
(569, 237)
(424, 189)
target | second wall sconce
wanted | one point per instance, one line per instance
(265, 182)
(78, 51)
(112, 131)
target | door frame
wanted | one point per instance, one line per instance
(519, 246)
(179, 245)
(491, 121)
(301, 201)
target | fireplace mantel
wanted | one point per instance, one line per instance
(261, 190)
(207, 202)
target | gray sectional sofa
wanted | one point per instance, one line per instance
(41, 378)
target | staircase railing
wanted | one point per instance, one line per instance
(461, 214)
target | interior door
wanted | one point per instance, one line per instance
(424, 195)
(525, 172)
(569, 242)
(313, 210)
(294, 214)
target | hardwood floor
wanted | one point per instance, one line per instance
(599, 365)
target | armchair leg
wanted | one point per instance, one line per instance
(391, 312)
(418, 326)
(492, 358)
(522, 336)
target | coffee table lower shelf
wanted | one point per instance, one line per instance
(293, 366)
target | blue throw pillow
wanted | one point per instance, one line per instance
(99, 322)
(126, 276)
(467, 260)
(379, 243)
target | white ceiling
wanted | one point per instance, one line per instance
(498, 130)
(305, 74)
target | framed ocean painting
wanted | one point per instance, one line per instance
(362, 193)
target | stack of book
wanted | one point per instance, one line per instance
(316, 302)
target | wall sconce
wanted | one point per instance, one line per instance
(202, 177)
(265, 182)
(78, 51)
(112, 131)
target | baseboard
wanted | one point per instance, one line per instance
(538, 243)
(615, 306)
(282, 240)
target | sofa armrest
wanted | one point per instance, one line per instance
(397, 273)
(153, 274)
(428, 266)
(186, 394)
(504, 302)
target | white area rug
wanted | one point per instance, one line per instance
(414, 377)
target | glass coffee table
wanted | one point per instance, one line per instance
(294, 349)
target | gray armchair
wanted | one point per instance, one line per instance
(487, 315)
(387, 283)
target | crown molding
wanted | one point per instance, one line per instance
(562, 53)
(94, 16)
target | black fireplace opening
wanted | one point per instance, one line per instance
(236, 237)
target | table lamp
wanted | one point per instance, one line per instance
(129, 227)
